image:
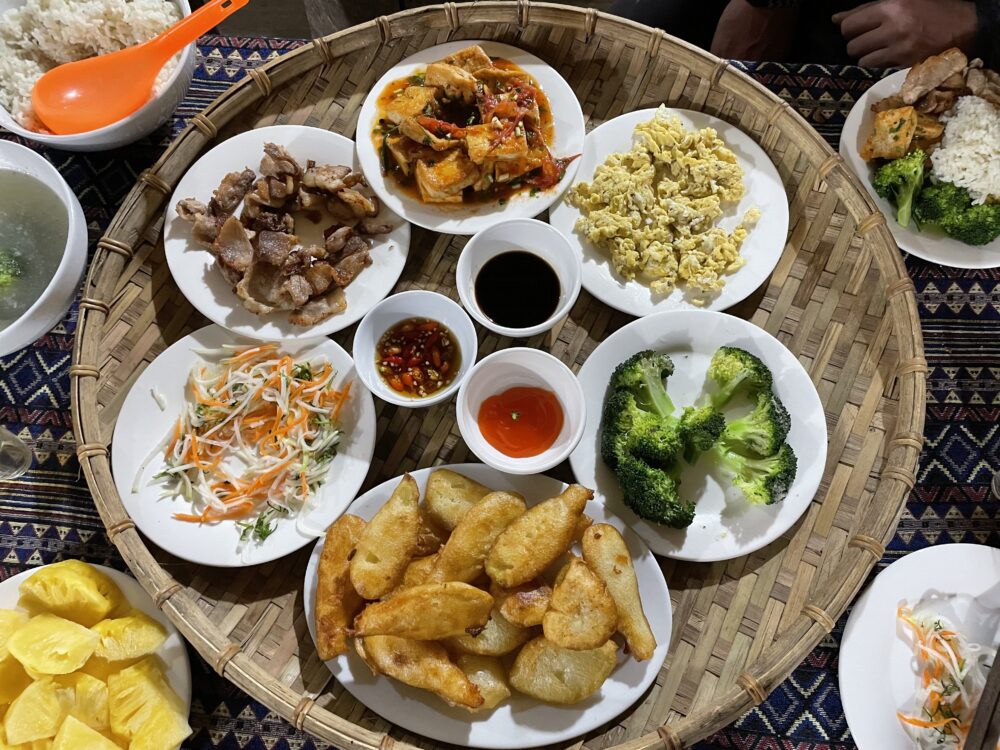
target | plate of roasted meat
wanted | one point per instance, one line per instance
(460, 135)
(276, 235)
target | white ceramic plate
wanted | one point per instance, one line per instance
(172, 652)
(193, 267)
(725, 525)
(929, 244)
(965, 581)
(469, 219)
(762, 247)
(141, 426)
(521, 721)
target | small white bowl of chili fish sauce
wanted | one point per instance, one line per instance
(521, 411)
(415, 348)
(518, 278)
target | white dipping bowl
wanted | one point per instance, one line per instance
(137, 125)
(509, 368)
(53, 303)
(530, 235)
(413, 304)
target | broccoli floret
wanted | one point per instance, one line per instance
(643, 374)
(899, 181)
(978, 225)
(763, 481)
(939, 201)
(733, 369)
(654, 494)
(627, 429)
(950, 208)
(762, 431)
(700, 428)
(10, 269)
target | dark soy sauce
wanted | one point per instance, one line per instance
(517, 289)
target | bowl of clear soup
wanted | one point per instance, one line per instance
(43, 246)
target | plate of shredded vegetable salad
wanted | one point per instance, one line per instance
(229, 452)
(918, 646)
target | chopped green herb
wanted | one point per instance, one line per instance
(535, 191)
(262, 527)
(417, 80)
(302, 372)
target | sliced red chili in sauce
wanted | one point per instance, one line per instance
(417, 357)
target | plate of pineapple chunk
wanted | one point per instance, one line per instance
(88, 663)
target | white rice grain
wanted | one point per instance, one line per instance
(45, 33)
(969, 155)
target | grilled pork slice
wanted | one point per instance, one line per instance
(928, 75)
(320, 308)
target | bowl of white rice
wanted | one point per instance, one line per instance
(37, 35)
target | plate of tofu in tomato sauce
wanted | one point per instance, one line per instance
(462, 135)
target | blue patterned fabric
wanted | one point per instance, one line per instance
(48, 513)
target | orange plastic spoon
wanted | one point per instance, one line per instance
(89, 94)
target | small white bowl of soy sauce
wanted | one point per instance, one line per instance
(518, 278)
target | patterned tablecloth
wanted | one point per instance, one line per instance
(48, 514)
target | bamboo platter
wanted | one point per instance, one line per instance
(840, 300)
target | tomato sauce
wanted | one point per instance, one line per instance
(522, 421)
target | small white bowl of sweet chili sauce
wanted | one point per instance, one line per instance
(521, 411)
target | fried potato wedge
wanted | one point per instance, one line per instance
(537, 538)
(464, 554)
(420, 664)
(430, 537)
(418, 570)
(387, 543)
(581, 613)
(606, 553)
(499, 637)
(581, 526)
(337, 602)
(552, 674)
(487, 674)
(427, 612)
(526, 604)
(449, 495)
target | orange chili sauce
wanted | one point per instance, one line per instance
(522, 421)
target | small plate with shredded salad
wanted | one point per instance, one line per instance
(918, 647)
(229, 452)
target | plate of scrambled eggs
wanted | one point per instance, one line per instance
(674, 209)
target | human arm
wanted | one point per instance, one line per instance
(755, 29)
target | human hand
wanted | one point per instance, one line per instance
(904, 32)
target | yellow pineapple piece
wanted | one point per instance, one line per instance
(75, 735)
(13, 679)
(129, 637)
(165, 729)
(135, 693)
(86, 699)
(73, 590)
(52, 645)
(102, 668)
(10, 620)
(35, 714)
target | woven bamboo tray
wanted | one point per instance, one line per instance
(840, 299)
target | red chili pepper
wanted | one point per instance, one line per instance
(407, 380)
(445, 367)
(436, 358)
(413, 362)
(392, 359)
(396, 383)
(432, 339)
(429, 326)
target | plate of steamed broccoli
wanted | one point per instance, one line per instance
(929, 218)
(703, 432)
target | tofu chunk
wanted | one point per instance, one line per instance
(480, 140)
(511, 170)
(410, 102)
(416, 132)
(891, 135)
(469, 59)
(444, 181)
(455, 82)
(406, 152)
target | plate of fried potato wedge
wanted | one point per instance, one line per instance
(487, 610)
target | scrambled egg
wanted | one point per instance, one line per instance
(653, 209)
